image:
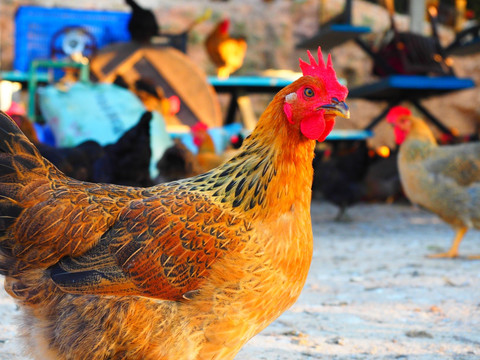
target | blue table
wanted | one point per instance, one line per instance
(412, 88)
(337, 135)
(250, 84)
(22, 76)
(238, 86)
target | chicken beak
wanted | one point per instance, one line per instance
(337, 108)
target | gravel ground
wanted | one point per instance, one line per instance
(371, 294)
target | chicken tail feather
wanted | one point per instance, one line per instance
(20, 162)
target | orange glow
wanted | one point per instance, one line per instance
(433, 11)
(449, 61)
(383, 151)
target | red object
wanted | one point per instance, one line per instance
(199, 130)
(224, 26)
(174, 101)
(397, 111)
(325, 73)
(16, 109)
(401, 128)
(318, 124)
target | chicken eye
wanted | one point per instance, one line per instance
(308, 92)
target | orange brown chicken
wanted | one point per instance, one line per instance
(443, 179)
(185, 270)
(226, 52)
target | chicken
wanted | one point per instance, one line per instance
(339, 174)
(382, 181)
(154, 99)
(177, 162)
(207, 157)
(77, 162)
(183, 270)
(143, 25)
(442, 179)
(125, 162)
(226, 52)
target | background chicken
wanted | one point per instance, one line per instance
(143, 25)
(26, 125)
(177, 162)
(347, 172)
(184, 270)
(382, 181)
(77, 162)
(339, 172)
(125, 162)
(226, 52)
(207, 157)
(443, 179)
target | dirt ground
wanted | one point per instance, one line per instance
(371, 294)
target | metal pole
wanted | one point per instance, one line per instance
(416, 9)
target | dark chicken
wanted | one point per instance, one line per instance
(339, 173)
(143, 25)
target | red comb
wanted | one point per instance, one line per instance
(224, 25)
(324, 72)
(15, 109)
(397, 111)
(199, 126)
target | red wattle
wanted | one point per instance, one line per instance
(400, 135)
(312, 127)
(328, 128)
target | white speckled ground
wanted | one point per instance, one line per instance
(371, 294)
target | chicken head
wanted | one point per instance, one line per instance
(318, 100)
(398, 116)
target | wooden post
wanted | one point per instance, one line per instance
(460, 6)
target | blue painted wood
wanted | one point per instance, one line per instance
(405, 87)
(350, 134)
(249, 83)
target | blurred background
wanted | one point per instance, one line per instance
(211, 67)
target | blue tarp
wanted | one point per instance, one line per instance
(100, 112)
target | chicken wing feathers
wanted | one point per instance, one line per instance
(161, 246)
(158, 242)
(460, 163)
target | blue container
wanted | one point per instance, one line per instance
(35, 27)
